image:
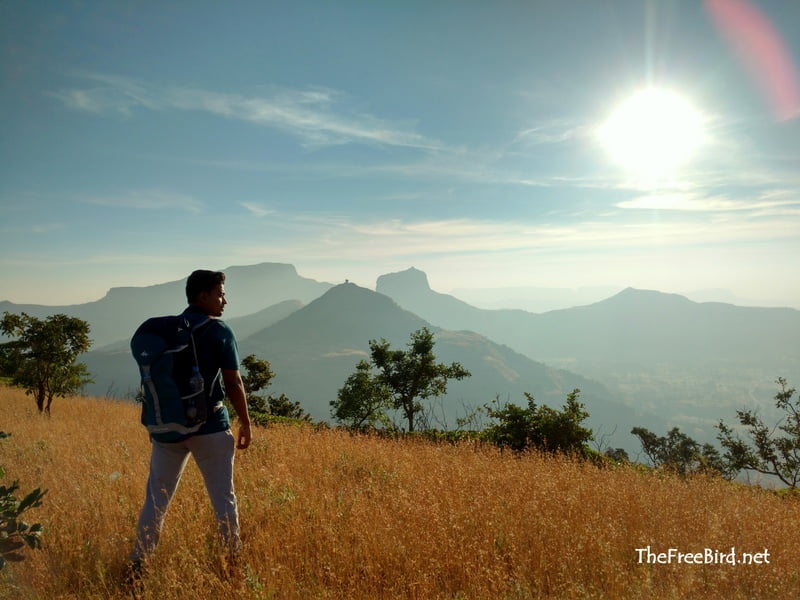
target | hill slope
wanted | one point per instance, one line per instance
(317, 347)
(327, 514)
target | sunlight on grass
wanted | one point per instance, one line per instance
(329, 515)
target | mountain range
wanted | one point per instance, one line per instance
(316, 347)
(639, 357)
(322, 343)
(692, 363)
(116, 315)
(637, 327)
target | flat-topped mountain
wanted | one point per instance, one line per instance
(115, 316)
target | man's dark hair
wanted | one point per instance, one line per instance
(202, 281)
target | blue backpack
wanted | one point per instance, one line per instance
(173, 392)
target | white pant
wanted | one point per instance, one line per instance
(213, 454)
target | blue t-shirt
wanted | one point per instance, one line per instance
(216, 350)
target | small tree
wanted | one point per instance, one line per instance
(772, 450)
(540, 427)
(44, 355)
(679, 453)
(258, 375)
(283, 407)
(413, 375)
(362, 400)
(618, 455)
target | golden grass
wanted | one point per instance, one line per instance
(329, 515)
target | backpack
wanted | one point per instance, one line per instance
(173, 391)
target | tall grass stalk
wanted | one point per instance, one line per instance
(326, 514)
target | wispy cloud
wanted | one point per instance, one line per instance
(46, 227)
(257, 210)
(315, 116)
(396, 239)
(36, 228)
(553, 132)
(319, 117)
(770, 202)
(108, 94)
(149, 200)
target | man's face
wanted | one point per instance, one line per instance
(213, 302)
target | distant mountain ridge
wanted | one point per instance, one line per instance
(116, 315)
(690, 363)
(317, 346)
(546, 299)
(633, 325)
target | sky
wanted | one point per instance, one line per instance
(469, 139)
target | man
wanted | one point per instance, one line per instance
(212, 446)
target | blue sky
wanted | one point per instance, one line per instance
(141, 140)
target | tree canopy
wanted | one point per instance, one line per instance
(258, 375)
(679, 453)
(541, 427)
(772, 449)
(362, 400)
(404, 378)
(42, 357)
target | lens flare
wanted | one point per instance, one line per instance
(761, 49)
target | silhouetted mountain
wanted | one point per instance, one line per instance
(317, 347)
(692, 363)
(545, 299)
(642, 326)
(115, 316)
(341, 317)
(689, 362)
(634, 326)
(536, 299)
(411, 290)
(313, 350)
(250, 324)
(253, 288)
(115, 371)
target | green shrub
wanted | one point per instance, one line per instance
(540, 427)
(15, 533)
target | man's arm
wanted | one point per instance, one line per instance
(234, 389)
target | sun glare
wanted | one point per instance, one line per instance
(653, 133)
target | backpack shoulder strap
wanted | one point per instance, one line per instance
(196, 320)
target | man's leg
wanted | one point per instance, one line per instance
(214, 455)
(167, 462)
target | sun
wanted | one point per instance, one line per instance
(653, 133)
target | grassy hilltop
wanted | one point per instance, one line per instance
(330, 515)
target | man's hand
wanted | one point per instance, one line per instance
(245, 437)
(234, 389)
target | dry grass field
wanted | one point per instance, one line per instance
(330, 515)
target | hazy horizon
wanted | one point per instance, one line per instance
(550, 145)
(530, 298)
